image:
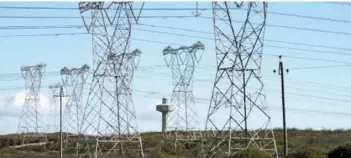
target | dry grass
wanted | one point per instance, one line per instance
(316, 144)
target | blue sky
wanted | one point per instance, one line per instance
(76, 50)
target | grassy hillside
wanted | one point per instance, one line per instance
(302, 144)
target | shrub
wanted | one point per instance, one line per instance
(253, 153)
(308, 152)
(343, 150)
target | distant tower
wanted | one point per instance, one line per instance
(237, 115)
(183, 120)
(73, 81)
(164, 108)
(31, 125)
(54, 88)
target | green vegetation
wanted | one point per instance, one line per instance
(308, 152)
(253, 153)
(341, 151)
(302, 144)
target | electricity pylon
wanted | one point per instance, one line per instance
(183, 120)
(237, 115)
(73, 81)
(31, 125)
(109, 115)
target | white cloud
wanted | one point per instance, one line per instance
(12, 105)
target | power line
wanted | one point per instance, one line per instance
(325, 87)
(58, 72)
(206, 38)
(316, 84)
(311, 59)
(204, 99)
(184, 35)
(46, 34)
(66, 8)
(319, 85)
(293, 27)
(294, 57)
(311, 17)
(78, 17)
(322, 85)
(311, 45)
(28, 27)
(273, 107)
(319, 111)
(65, 34)
(162, 94)
(287, 56)
(314, 101)
(318, 67)
(264, 54)
(309, 29)
(291, 93)
(175, 34)
(314, 96)
(186, 9)
(273, 46)
(307, 50)
(203, 17)
(173, 28)
(330, 87)
(146, 30)
(270, 40)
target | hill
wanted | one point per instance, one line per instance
(306, 143)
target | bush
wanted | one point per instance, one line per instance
(308, 152)
(39, 148)
(253, 153)
(341, 151)
(156, 154)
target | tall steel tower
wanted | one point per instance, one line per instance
(183, 119)
(237, 112)
(110, 115)
(73, 81)
(31, 125)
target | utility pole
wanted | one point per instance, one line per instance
(281, 73)
(197, 13)
(54, 88)
(61, 95)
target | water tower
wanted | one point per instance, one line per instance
(164, 108)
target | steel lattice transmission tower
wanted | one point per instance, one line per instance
(73, 81)
(110, 114)
(183, 119)
(31, 125)
(237, 113)
(54, 88)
